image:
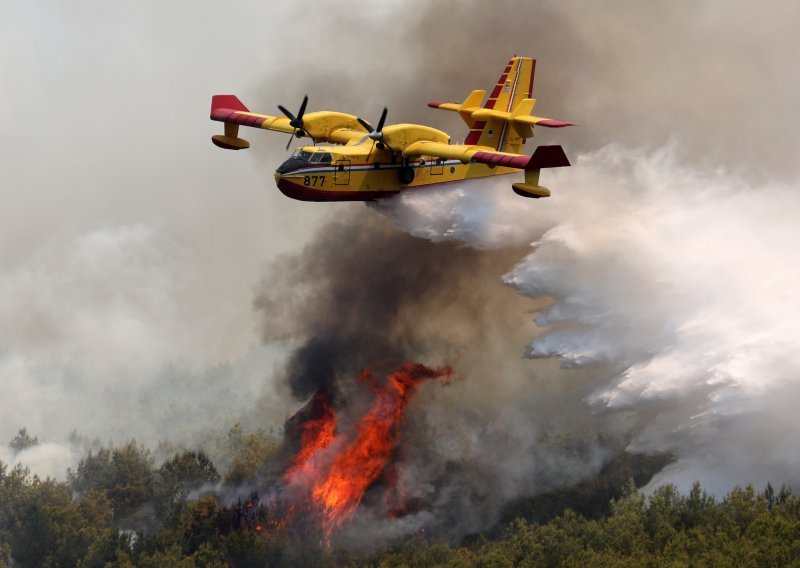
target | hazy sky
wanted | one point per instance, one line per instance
(127, 240)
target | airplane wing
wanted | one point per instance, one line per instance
(229, 109)
(324, 126)
(543, 157)
(471, 108)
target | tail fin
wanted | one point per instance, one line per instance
(514, 86)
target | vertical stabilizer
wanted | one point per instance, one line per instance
(514, 86)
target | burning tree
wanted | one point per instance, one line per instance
(333, 467)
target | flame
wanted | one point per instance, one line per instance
(336, 469)
(316, 434)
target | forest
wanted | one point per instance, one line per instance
(118, 508)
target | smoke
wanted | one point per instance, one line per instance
(95, 341)
(659, 269)
(670, 253)
(661, 290)
(630, 73)
(660, 276)
(47, 460)
(363, 294)
(677, 281)
(129, 244)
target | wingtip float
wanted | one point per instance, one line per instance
(349, 160)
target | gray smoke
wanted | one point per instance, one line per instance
(363, 294)
(675, 282)
(655, 324)
(129, 242)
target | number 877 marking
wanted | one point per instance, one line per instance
(314, 180)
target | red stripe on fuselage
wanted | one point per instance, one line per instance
(302, 193)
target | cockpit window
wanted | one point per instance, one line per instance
(321, 157)
(301, 155)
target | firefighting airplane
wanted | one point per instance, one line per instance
(352, 161)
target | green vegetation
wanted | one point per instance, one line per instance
(745, 528)
(119, 509)
(22, 441)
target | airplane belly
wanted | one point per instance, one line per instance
(366, 182)
(303, 189)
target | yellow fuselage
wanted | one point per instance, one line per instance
(362, 171)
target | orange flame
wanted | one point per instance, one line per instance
(337, 479)
(315, 435)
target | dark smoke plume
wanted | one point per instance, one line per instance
(363, 294)
(627, 72)
(700, 80)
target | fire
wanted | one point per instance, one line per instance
(335, 469)
(316, 434)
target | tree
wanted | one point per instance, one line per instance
(23, 441)
(48, 528)
(177, 477)
(125, 474)
(250, 452)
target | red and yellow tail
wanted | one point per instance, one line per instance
(504, 121)
(514, 85)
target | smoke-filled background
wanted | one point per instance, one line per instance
(157, 287)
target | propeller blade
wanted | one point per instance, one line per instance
(302, 110)
(370, 150)
(366, 125)
(291, 137)
(286, 113)
(383, 119)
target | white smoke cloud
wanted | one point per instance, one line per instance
(130, 244)
(100, 335)
(680, 279)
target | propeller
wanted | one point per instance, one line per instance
(295, 122)
(376, 134)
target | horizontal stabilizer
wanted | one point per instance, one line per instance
(470, 104)
(520, 119)
(539, 121)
